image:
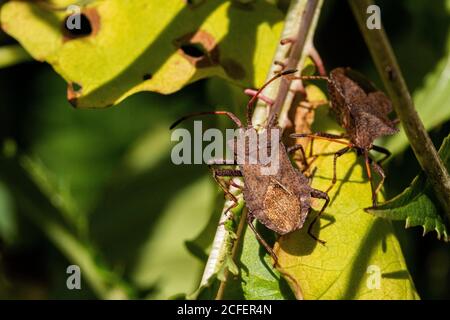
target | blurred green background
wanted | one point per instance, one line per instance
(105, 176)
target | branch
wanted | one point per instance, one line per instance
(391, 75)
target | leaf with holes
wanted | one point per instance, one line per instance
(362, 258)
(122, 47)
(417, 204)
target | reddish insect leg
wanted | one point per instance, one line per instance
(336, 156)
(315, 56)
(252, 93)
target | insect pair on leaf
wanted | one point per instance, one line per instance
(282, 201)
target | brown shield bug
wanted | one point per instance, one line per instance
(362, 110)
(280, 199)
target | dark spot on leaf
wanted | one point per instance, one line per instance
(78, 25)
(74, 90)
(233, 69)
(194, 50)
(147, 76)
(199, 48)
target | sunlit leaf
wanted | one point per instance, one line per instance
(141, 45)
(357, 244)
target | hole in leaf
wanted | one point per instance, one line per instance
(147, 76)
(194, 50)
(199, 48)
(77, 87)
(77, 25)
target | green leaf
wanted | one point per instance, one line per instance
(260, 281)
(357, 244)
(163, 262)
(417, 204)
(141, 45)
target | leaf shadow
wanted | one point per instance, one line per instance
(307, 244)
(401, 274)
(47, 16)
(374, 238)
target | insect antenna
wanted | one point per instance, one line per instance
(252, 101)
(225, 113)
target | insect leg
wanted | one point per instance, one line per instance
(250, 219)
(377, 167)
(315, 56)
(318, 195)
(251, 103)
(302, 150)
(369, 175)
(382, 150)
(252, 93)
(225, 186)
(336, 156)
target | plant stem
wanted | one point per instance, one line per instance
(300, 23)
(392, 78)
(296, 55)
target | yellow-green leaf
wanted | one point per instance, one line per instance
(417, 204)
(141, 45)
(362, 258)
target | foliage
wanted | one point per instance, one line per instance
(100, 186)
(416, 205)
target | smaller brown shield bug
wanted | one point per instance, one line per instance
(362, 110)
(280, 199)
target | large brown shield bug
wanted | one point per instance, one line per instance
(362, 110)
(279, 198)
